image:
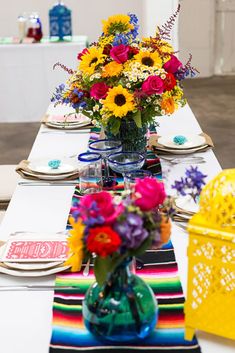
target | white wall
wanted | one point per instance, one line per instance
(196, 34)
(86, 14)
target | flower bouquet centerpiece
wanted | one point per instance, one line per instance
(111, 230)
(122, 82)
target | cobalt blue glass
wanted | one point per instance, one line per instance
(123, 310)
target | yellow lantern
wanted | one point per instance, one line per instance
(210, 304)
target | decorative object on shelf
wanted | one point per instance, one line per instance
(60, 21)
(111, 230)
(34, 27)
(22, 26)
(122, 82)
(180, 140)
(211, 276)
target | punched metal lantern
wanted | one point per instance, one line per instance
(60, 21)
(210, 304)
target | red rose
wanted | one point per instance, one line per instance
(133, 50)
(99, 90)
(169, 82)
(153, 85)
(172, 65)
(85, 51)
(120, 53)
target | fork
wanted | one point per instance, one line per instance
(184, 160)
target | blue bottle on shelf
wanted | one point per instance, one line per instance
(60, 21)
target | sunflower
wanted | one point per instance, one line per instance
(112, 69)
(117, 23)
(91, 60)
(75, 242)
(119, 101)
(149, 59)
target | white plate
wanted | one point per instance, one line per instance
(32, 266)
(21, 273)
(192, 141)
(67, 126)
(71, 119)
(41, 166)
(186, 203)
(179, 151)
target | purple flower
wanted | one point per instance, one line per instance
(191, 184)
(131, 231)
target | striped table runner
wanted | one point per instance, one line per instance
(160, 271)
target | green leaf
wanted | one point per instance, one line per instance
(137, 119)
(102, 268)
(115, 125)
(144, 246)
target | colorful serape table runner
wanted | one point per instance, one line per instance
(160, 271)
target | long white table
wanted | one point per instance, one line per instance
(25, 316)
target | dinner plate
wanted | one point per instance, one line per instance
(41, 166)
(71, 119)
(39, 273)
(32, 265)
(187, 204)
(67, 125)
(179, 151)
(193, 141)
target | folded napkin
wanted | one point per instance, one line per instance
(23, 170)
(67, 121)
(160, 149)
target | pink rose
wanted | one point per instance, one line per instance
(172, 65)
(120, 53)
(99, 206)
(151, 193)
(99, 90)
(153, 85)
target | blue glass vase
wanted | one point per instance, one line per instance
(123, 310)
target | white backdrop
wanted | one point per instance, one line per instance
(26, 76)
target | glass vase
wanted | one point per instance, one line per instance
(123, 310)
(133, 138)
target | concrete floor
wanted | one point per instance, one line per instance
(212, 101)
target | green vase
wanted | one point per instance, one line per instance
(133, 138)
(123, 310)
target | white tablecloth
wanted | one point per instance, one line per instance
(25, 317)
(27, 77)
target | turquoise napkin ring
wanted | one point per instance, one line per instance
(179, 140)
(54, 163)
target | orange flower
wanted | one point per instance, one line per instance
(103, 241)
(112, 69)
(168, 105)
(165, 229)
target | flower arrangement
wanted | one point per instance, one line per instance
(121, 77)
(111, 228)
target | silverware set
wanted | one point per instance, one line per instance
(184, 160)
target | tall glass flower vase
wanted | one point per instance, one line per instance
(123, 310)
(132, 137)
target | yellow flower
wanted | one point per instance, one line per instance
(168, 104)
(91, 60)
(119, 101)
(75, 242)
(165, 47)
(105, 40)
(148, 59)
(112, 69)
(117, 23)
(178, 93)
